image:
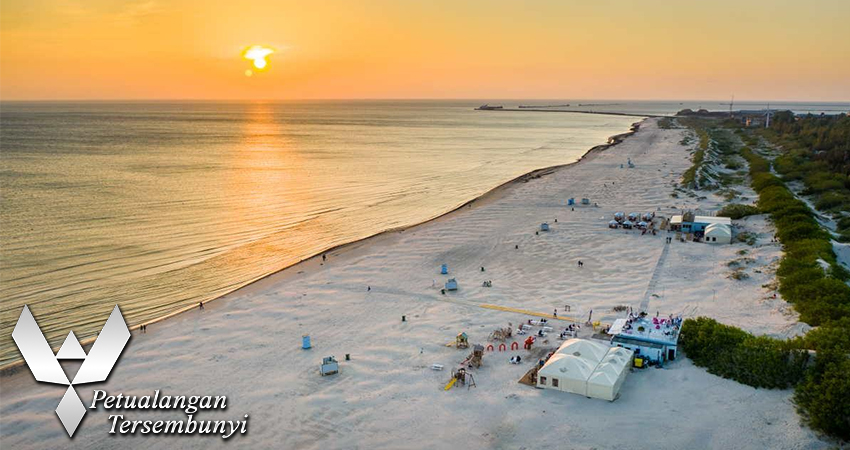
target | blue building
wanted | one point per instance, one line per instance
(653, 339)
(689, 223)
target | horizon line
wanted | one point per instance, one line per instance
(691, 100)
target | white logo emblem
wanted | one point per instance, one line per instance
(45, 367)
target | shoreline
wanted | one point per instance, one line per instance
(14, 367)
(604, 113)
(249, 346)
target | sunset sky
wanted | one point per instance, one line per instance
(180, 49)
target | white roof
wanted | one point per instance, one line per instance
(568, 367)
(713, 219)
(703, 219)
(588, 367)
(583, 348)
(617, 327)
(718, 229)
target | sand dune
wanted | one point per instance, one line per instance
(247, 345)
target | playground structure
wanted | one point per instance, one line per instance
(502, 334)
(462, 341)
(461, 377)
(474, 358)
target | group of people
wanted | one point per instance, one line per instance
(570, 331)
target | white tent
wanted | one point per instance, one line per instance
(587, 368)
(609, 375)
(718, 233)
(582, 348)
(566, 373)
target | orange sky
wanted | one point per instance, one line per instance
(181, 49)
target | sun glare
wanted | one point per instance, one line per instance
(257, 54)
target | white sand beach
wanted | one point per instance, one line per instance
(247, 344)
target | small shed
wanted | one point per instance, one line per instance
(544, 226)
(571, 202)
(451, 285)
(718, 233)
(585, 201)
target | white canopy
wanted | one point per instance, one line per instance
(585, 349)
(587, 368)
(609, 375)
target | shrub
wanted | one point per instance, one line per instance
(764, 180)
(737, 211)
(730, 352)
(822, 398)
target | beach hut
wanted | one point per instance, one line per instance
(544, 226)
(634, 217)
(648, 217)
(571, 202)
(585, 201)
(642, 225)
(628, 224)
(444, 269)
(613, 224)
(718, 233)
(619, 216)
(451, 285)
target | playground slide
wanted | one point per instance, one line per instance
(451, 383)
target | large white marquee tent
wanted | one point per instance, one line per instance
(587, 368)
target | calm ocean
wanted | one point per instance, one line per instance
(156, 206)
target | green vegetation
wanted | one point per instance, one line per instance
(689, 178)
(816, 151)
(819, 295)
(730, 352)
(737, 211)
(667, 123)
(822, 396)
(808, 276)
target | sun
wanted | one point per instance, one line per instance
(257, 54)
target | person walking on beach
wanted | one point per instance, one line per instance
(555, 313)
(324, 258)
(201, 305)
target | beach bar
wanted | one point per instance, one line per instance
(655, 340)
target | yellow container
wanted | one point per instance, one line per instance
(638, 362)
